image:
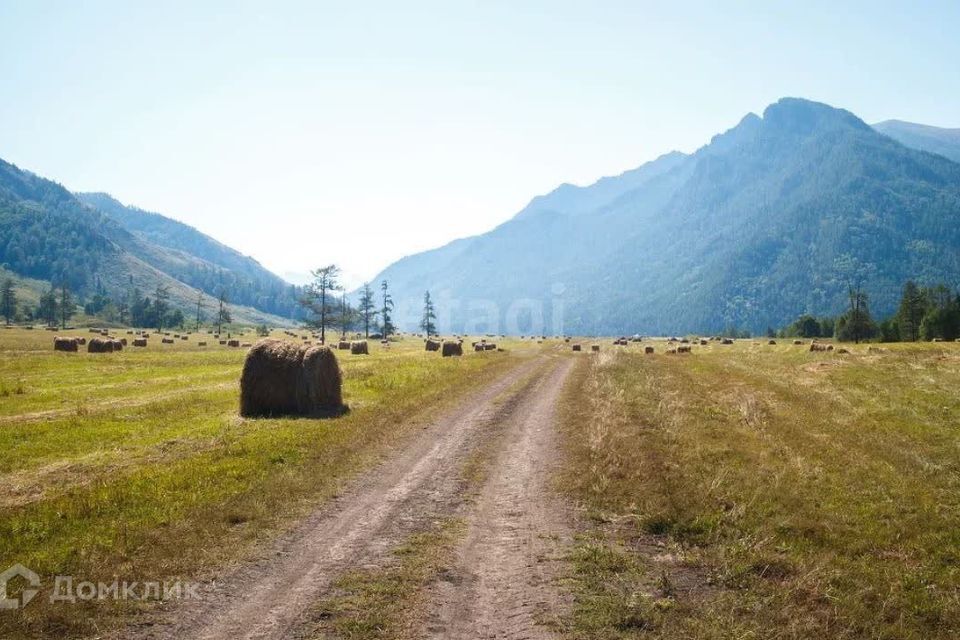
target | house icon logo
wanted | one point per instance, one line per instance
(26, 595)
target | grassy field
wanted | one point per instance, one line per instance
(135, 465)
(755, 491)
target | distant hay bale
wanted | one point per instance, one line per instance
(282, 378)
(684, 349)
(648, 349)
(65, 344)
(100, 345)
(233, 342)
(576, 347)
(798, 342)
(246, 345)
(139, 342)
(672, 351)
(703, 342)
(81, 341)
(771, 342)
(202, 343)
(451, 348)
(166, 340)
(432, 345)
(489, 347)
(594, 347)
(477, 346)
(130, 332)
(223, 342)
(359, 348)
(117, 344)
(123, 341)
(94, 330)
(183, 337)
(842, 350)
(726, 341)
(684, 341)
(104, 332)
(819, 346)
(343, 345)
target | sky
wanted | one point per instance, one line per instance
(309, 133)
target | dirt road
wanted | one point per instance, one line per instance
(501, 585)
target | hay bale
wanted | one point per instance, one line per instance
(123, 341)
(477, 346)
(594, 347)
(842, 350)
(166, 340)
(233, 342)
(223, 342)
(432, 345)
(672, 351)
(343, 345)
(798, 342)
(819, 346)
(727, 341)
(648, 349)
(246, 345)
(685, 348)
(282, 378)
(65, 344)
(139, 342)
(202, 343)
(117, 344)
(703, 342)
(576, 347)
(489, 347)
(771, 342)
(451, 348)
(359, 348)
(100, 345)
(81, 341)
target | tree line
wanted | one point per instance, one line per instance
(924, 313)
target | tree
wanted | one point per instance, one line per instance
(200, 307)
(47, 309)
(856, 324)
(913, 307)
(346, 316)
(223, 313)
(942, 319)
(8, 300)
(66, 305)
(429, 315)
(386, 309)
(160, 305)
(367, 308)
(317, 298)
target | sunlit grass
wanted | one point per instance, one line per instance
(794, 494)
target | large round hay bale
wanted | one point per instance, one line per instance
(65, 344)
(117, 344)
(359, 348)
(139, 342)
(576, 347)
(81, 341)
(233, 343)
(202, 343)
(166, 340)
(432, 345)
(451, 348)
(727, 341)
(771, 342)
(282, 378)
(648, 349)
(100, 345)
(594, 347)
(489, 346)
(343, 345)
(684, 348)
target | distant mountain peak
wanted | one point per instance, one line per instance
(802, 116)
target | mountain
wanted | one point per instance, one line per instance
(197, 259)
(771, 219)
(49, 234)
(945, 142)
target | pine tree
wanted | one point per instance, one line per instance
(367, 308)
(317, 297)
(386, 310)
(8, 300)
(66, 305)
(913, 307)
(429, 315)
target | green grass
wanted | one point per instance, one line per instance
(765, 491)
(145, 471)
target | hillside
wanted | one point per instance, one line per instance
(196, 259)
(771, 219)
(47, 234)
(945, 142)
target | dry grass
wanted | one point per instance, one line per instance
(767, 492)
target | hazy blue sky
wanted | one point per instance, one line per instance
(308, 133)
